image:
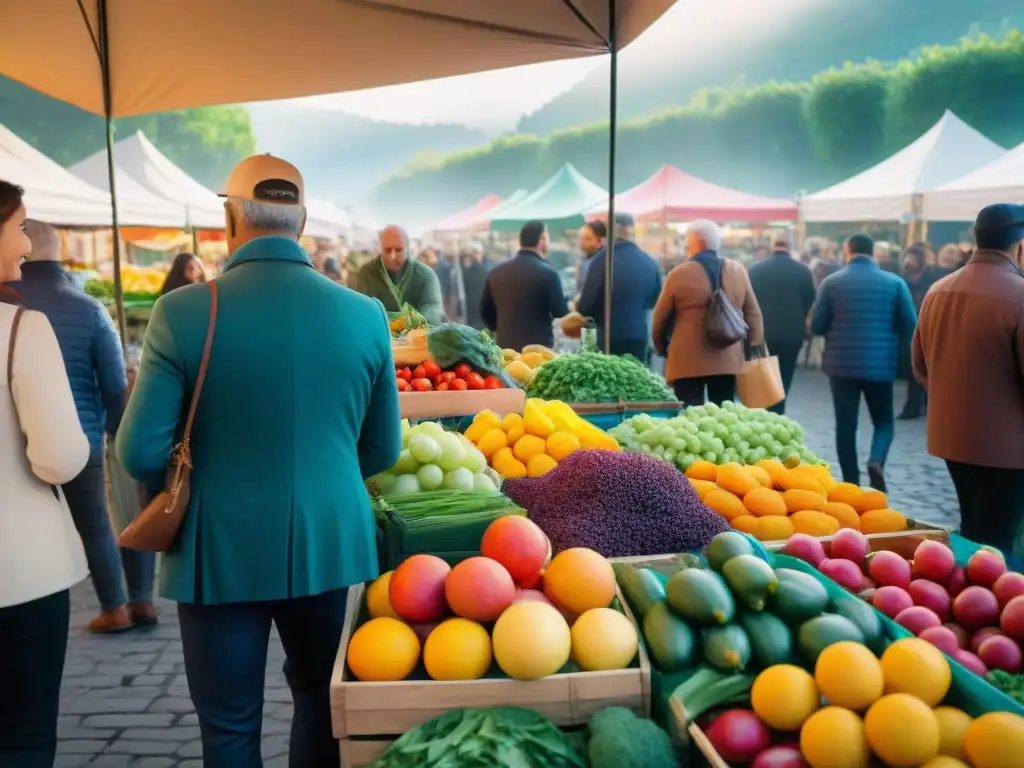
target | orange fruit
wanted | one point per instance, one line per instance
(383, 650)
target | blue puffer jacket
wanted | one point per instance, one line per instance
(862, 312)
(88, 342)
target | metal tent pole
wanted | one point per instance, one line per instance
(609, 253)
(108, 109)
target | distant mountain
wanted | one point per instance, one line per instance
(824, 34)
(342, 156)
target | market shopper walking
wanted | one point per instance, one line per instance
(523, 296)
(395, 279)
(95, 367)
(692, 365)
(919, 278)
(290, 422)
(785, 292)
(185, 270)
(42, 445)
(968, 352)
(636, 284)
(862, 311)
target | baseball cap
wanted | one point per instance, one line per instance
(625, 219)
(999, 225)
(266, 179)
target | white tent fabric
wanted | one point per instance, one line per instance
(150, 169)
(56, 196)
(1001, 181)
(887, 191)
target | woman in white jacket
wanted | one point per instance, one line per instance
(41, 446)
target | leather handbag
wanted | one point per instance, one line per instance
(723, 324)
(156, 528)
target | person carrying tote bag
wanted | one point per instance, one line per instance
(759, 384)
(42, 445)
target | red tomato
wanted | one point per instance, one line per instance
(404, 373)
(403, 385)
(447, 376)
(475, 381)
(458, 384)
(422, 385)
(441, 387)
(462, 370)
(419, 373)
(431, 368)
(493, 382)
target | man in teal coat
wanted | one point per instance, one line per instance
(299, 406)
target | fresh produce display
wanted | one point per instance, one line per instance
(592, 377)
(428, 376)
(453, 343)
(522, 366)
(854, 708)
(975, 614)
(731, 433)
(459, 620)
(619, 504)
(432, 459)
(145, 287)
(617, 738)
(406, 320)
(772, 502)
(533, 444)
(486, 738)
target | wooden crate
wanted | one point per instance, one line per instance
(438, 405)
(697, 736)
(902, 543)
(361, 709)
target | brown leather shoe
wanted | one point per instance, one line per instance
(142, 614)
(110, 622)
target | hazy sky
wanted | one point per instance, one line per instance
(494, 101)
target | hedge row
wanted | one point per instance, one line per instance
(771, 139)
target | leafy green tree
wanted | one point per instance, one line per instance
(205, 142)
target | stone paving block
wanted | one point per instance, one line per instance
(131, 747)
(75, 732)
(80, 746)
(135, 720)
(89, 705)
(141, 681)
(192, 749)
(180, 733)
(92, 681)
(175, 704)
(117, 668)
(71, 761)
(274, 746)
(111, 761)
(161, 668)
(155, 762)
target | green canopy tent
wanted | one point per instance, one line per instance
(560, 202)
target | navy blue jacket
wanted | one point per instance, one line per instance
(88, 342)
(636, 283)
(521, 299)
(862, 311)
(785, 292)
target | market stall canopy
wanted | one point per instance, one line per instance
(1001, 181)
(469, 218)
(510, 202)
(671, 195)
(887, 191)
(560, 202)
(136, 157)
(233, 51)
(55, 195)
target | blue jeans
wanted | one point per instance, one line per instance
(139, 574)
(225, 649)
(846, 394)
(87, 499)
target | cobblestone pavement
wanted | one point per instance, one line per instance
(126, 703)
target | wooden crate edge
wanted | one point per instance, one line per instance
(352, 604)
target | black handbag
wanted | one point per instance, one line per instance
(724, 324)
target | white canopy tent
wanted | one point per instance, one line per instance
(1001, 181)
(890, 190)
(56, 196)
(150, 169)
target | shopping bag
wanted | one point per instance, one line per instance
(759, 384)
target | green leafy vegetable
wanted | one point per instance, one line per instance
(502, 737)
(454, 343)
(592, 377)
(1009, 683)
(620, 739)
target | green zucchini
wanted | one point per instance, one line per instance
(798, 596)
(700, 596)
(671, 642)
(770, 639)
(751, 579)
(640, 586)
(726, 648)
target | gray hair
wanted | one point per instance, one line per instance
(782, 238)
(399, 230)
(709, 233)
(272, 217)
(45, 241)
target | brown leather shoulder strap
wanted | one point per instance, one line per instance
(203, 364)
(10, 346)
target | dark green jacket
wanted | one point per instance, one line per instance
(299, 406)
(417, 286)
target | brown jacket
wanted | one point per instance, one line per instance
(967, 352)
(680, 313)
